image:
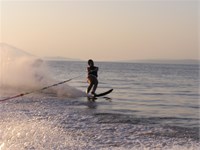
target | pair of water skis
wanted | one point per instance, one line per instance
(94, 97)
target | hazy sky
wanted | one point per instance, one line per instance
(104, 30)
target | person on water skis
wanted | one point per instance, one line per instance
(92, 77)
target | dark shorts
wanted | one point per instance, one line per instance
(92, 79)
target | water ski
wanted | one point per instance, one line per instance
(101, 94)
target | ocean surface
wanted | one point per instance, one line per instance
(152, 106)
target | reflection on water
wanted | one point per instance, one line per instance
(51, 123)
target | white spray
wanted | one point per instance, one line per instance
(23, 72)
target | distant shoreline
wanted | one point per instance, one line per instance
(189, 61)
(58, 58)
(184, 61)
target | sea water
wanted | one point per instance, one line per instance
(153, 106)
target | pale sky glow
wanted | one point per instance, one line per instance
(103, 30)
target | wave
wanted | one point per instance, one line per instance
(167, 123)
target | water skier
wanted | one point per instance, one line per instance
(92, 77)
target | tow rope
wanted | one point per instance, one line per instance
(44, 88)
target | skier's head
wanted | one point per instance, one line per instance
(90, 62)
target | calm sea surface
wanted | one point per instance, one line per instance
(160, 93)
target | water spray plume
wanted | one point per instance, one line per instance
(21, 71)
